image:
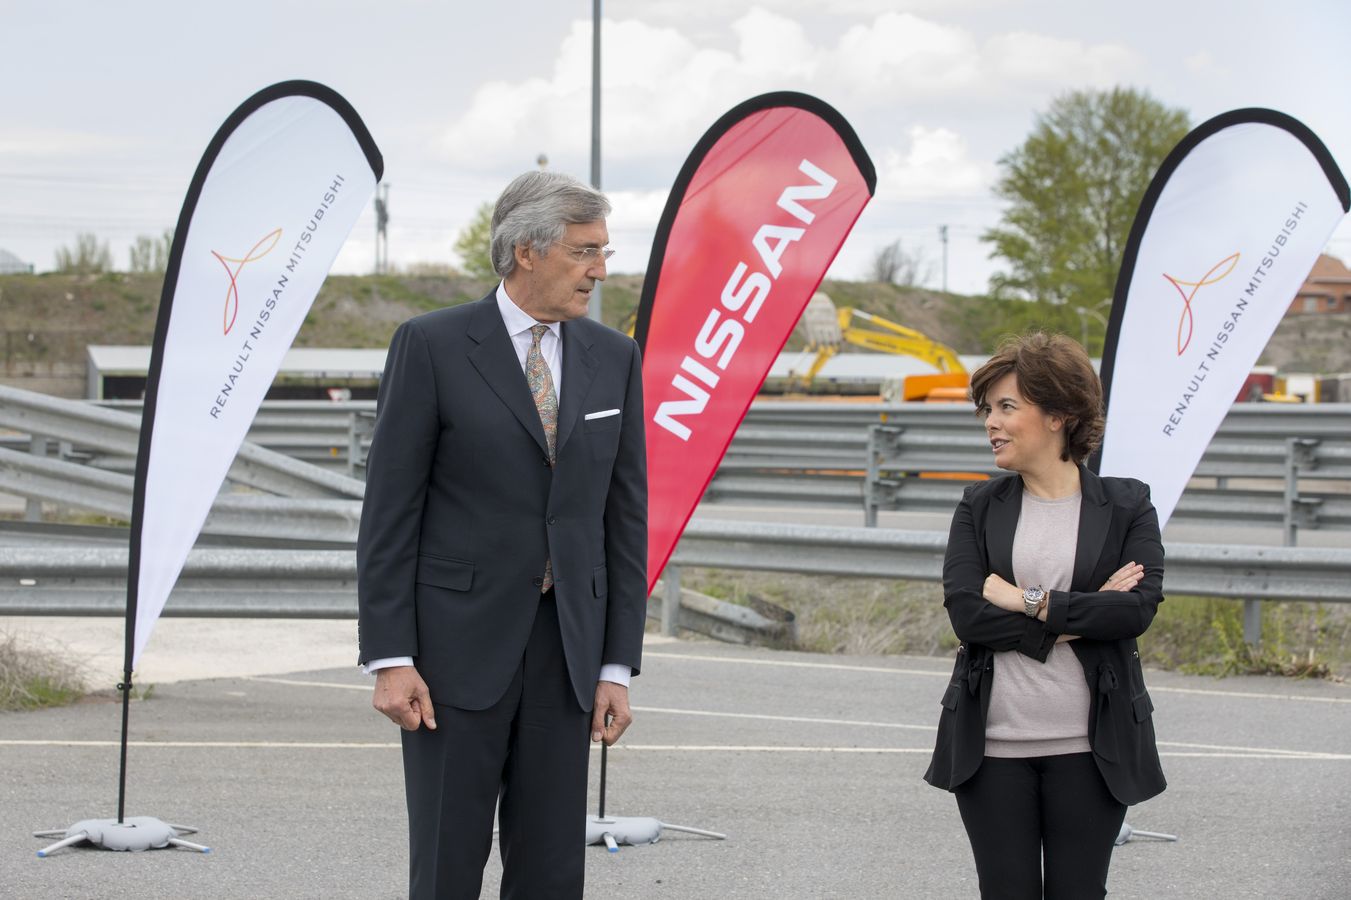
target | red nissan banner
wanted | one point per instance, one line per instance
(753, 222)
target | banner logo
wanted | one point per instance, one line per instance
(1214, 276)
(257, 252)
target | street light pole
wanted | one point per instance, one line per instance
(943, 236)
(594, 309)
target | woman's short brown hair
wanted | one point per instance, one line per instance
(1055, 373)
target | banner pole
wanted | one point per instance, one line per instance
(125, 688)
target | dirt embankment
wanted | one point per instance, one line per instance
(46, 321)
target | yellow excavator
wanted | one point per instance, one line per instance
(828, 329)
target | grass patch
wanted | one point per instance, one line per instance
(1204, 636)
(33, 678)
(857, 616)
(1197, 635)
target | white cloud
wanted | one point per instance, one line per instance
(773, 46)
(658, 87)
(1204, 64)
(663, 87)
(40, 144)
(1038, 59)
(937, 164)
(902, 54)
(635, 210)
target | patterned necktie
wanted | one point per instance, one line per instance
(541, 383)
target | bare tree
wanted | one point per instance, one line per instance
(151, 255)
(87, 257)
(893, 264)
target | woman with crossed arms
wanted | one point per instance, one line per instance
(1051, 574)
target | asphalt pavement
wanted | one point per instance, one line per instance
(810, 764)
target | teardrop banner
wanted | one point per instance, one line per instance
(272, 202)
(1226, 233)
(754, 220)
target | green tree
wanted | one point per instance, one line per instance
(87, 257)
(473, 245)
(1074, 187)
(151, 255)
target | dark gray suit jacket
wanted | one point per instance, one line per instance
(462, 507)
(1117, 525)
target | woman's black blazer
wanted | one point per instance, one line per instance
(1117, 525)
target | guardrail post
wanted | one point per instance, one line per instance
(32, 511)
(1252, 622)
(353, 444)
(878, 435)
(670, 604)
(870, 479)
(359, 425)
(1299, 454)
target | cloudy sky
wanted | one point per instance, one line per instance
(108, 106)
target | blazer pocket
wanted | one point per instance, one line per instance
(1142, 707)
(950, 696)
(604, 423)
(603, 436)
(600, 582)
(439, 571)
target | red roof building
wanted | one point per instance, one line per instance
(1326, 290)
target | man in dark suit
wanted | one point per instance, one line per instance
(502, 554)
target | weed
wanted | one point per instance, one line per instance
(33, 678)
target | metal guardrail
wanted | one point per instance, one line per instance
(322, 583)
(896, 457)
(806, 453)
(322, 430)
(79, 425)
(933, 495)
(74, 486)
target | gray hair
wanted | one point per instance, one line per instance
(534, 211)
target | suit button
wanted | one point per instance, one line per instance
(551, 520)
(539, 582)
(545, 460)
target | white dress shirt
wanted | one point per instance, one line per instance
(519, 323)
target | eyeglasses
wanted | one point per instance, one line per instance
(588, 255)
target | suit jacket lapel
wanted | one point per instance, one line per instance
(1095, 518)
(579, 370)
(495, 359)
(1006, 505)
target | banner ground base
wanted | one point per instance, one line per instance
(615, 830)
(133, 833)
(1127, 834)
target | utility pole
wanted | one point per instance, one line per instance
(943, 236)
(382, 229)
(594, 310)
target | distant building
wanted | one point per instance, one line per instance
(1326, 290)
(12, 265)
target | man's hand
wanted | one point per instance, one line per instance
(401, 694)
(612, 700)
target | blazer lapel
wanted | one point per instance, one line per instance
(579, 370)
(1095, 518)
(1006, 505)
(495, 359)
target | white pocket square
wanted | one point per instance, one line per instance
(601, 415)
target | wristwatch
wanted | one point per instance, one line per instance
(1032, 600)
